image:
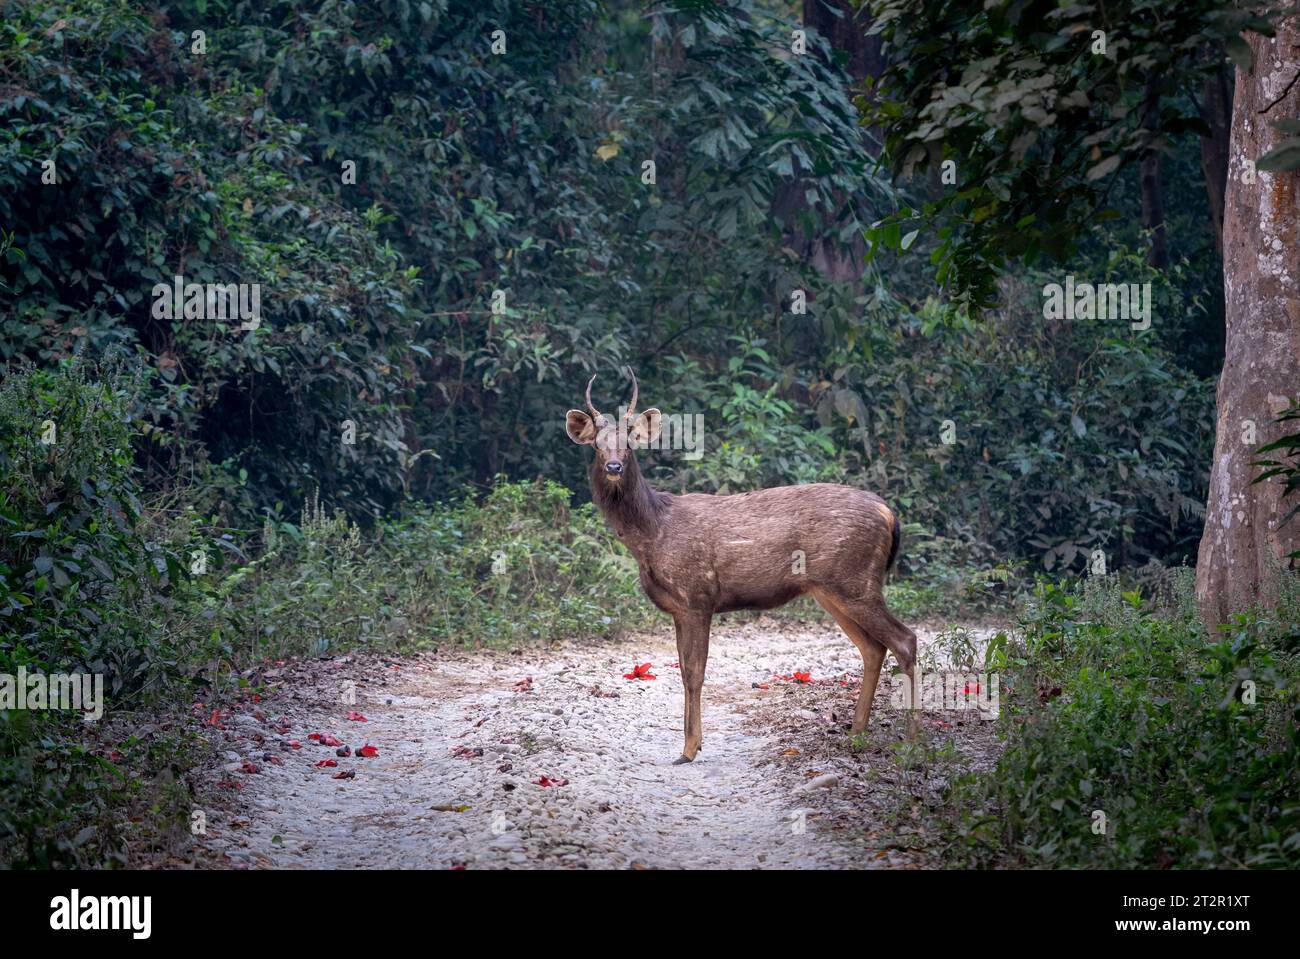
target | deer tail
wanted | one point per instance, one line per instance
(897, 538)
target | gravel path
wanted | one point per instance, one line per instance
(465, 739)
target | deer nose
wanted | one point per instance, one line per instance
(614, 469)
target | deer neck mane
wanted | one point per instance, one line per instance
(631, 505)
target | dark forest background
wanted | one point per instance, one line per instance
(522, 173)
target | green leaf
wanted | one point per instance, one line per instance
(1106, 166)
(1241, 54)
(1284, 156)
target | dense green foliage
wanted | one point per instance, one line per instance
(78, 578)
(452, 228)
(81, 586)
(475, 173)
(1040, 108)
(523, 172)
(520, 567)
(1280, 463)
(1188, 747)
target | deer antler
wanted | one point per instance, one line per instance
(594, 414)
(631, 407)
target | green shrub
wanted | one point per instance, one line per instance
(1189, 748)
(1282, 463)
(81, 589)
(78, 581)
(522, 566)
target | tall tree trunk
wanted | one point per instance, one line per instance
(1153, 207)
(1243, 544)
(845, 26)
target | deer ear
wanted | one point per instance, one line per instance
(580, 428)
(645, 430)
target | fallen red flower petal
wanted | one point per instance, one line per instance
(640, 671)
(249, 768)
(356, 717)
(346, 774)
(329, 740)
(546, 781)
(803, 677)
(313, 735)
(326, 762)
(368, 751)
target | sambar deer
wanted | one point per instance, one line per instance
(701, 554)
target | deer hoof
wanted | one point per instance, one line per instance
(680, 759)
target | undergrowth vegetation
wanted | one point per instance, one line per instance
(521, 566)
(1133, 740)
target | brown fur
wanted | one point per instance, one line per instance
(700, 554)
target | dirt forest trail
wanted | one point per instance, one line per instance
(468, 740)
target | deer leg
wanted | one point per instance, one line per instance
(692, 656)
(904, 646)
(879, 623)
(906, 640)
(873, 656)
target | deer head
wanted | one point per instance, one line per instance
(613, 438)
